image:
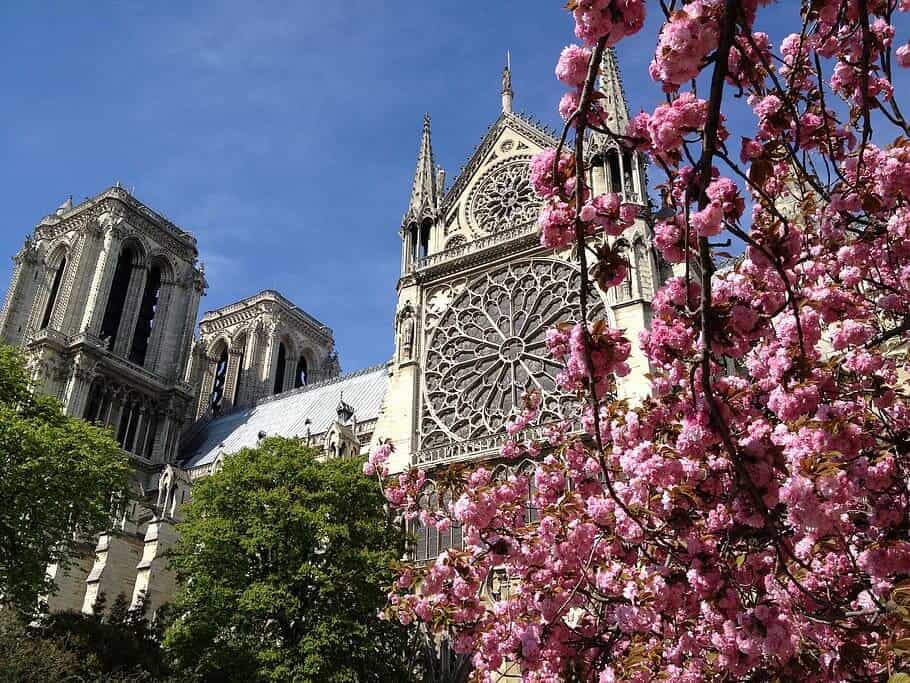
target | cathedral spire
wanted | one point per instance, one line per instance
(614, 94)
(507, 93)
(424, 192)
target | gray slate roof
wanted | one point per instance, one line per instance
(285, 414)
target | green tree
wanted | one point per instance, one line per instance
(58, 476)
(284, 560)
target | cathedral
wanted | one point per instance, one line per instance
(104, 300)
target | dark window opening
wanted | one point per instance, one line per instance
(125, 417)
(93, 405)
(413, 241)
(280, 368)
(130, 441)
(117, 297)
(614, 170)
(217, 397)
(300, 376)
(147, 310)
(55, 289)
(424, 240)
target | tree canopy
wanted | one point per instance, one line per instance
(284, 560)
(58, 478)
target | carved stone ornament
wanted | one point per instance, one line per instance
(504, 197)
(490, 346)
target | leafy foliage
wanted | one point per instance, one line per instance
(58, 477)
(70, 646)
(284, 559)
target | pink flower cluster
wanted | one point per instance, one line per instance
(609, 351)
(663, 132)
(608, 212)
(684, 43)
(547, 185)
(609, 19)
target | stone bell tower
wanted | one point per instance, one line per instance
(103, 301)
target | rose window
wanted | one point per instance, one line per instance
(504, 198)
(489, 346)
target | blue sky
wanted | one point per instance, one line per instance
(282, 134)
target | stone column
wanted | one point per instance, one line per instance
(162, 451)
(189, 321)
(78, 385)
(232, 376)
(100, 286)
(205, 388)
(130, 313)
(162, 330)
(270, 362)
(255, 351)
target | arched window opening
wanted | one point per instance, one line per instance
(280, 368)
(300, 376)
(94, 403)
(55, 290)
(239, 380)
(147, 310)
(628, 180)
(117, 297)
(217, 397)
(624, 288)
(424, 239)
(413, 241)
(615, 171)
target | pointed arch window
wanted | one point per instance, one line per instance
(280, 368)
(300, 375)
(116, 299)
(147, 311)
(217, 397)
(614, 171)
(413, 242)
(55, 290)
(424, 248)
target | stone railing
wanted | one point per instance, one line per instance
(475, 449)
(474, 246)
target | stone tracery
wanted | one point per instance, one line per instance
(504, 198)
(490, 344)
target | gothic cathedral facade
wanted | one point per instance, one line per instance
(104, 300)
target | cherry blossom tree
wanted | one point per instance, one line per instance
(749, 519)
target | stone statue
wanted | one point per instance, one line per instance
(506, 80)
(406, 332)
